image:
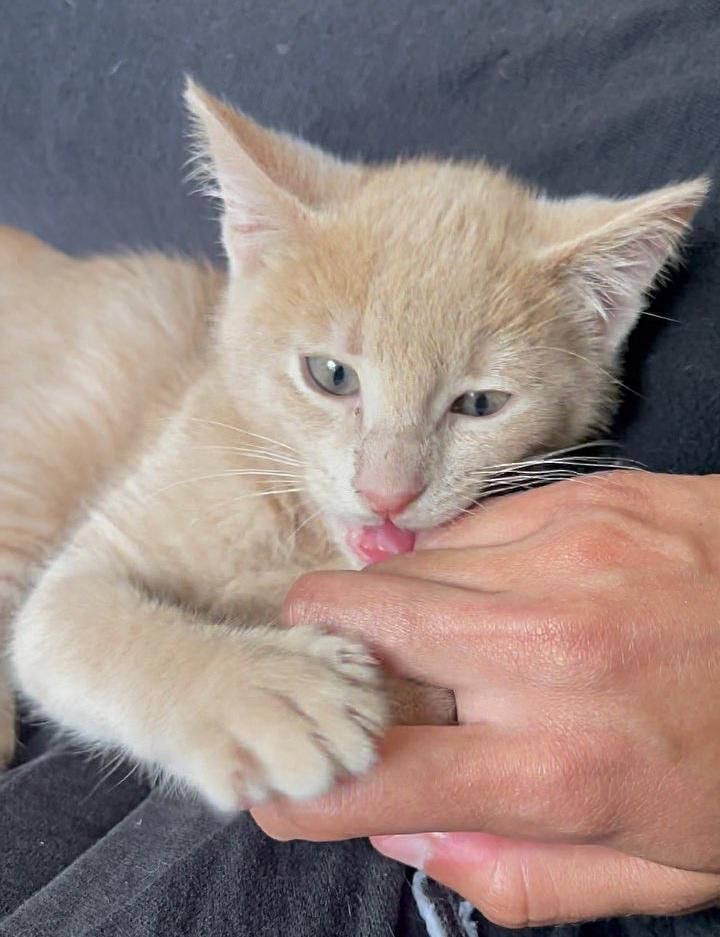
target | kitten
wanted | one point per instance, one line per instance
(385, 338)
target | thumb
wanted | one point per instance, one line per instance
(521, 884)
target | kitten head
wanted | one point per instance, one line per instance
(409, 328)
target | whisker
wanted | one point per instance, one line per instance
(503, 481)
(590, 460)
(245, 432)
(594, 364)
(265, 494)
(571, 463)
(567, 450)
(656, 315)
(559, 465)
(537, 476)
(564, 458)
(537, 471)
(278, 483)
(520, 482)
(533, 327)
(256, 452)
(492, 492)
(307, 521)
(230, 473)
(590, 444)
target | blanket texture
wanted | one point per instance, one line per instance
(614, 96)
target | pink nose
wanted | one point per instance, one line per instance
(389, 503)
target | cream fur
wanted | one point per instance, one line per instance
(168, 470)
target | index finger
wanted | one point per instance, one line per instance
(498, 521)
(514, 517)
(443, 635)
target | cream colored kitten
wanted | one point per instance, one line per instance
(384, 336)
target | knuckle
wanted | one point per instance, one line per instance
(613, 534)
(519, 893)
(602, 538)
(507, 909)
(506, 899)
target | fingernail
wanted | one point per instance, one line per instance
(410, 849)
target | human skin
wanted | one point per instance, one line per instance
(579, 628)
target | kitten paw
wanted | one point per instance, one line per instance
(298, 710)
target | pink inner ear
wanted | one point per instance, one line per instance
(245, 243)
(619, 316)
(617, 305)
(247, 229)
(618, 280)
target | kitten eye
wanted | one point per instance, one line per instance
(332, 376)
(480, 402)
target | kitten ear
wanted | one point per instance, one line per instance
(616, 249)
(298, 167)
(258, 216)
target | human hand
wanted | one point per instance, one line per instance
(579, 627)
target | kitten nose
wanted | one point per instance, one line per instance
(388, 503)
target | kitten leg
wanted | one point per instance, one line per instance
(236, 713)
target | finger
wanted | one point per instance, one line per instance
(496, 521)
(513, 517)
(438, 634)
(523, 566)
(471, 777)
(655, 498)
(522, 884)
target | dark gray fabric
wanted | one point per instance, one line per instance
(92, 853)
(52, 811)
(106, 859)
(614, 95)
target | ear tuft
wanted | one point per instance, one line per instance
(258, 216)
(202, 171)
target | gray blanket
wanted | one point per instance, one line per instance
(614, 95)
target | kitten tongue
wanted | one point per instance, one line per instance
(374, 544)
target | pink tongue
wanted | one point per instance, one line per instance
(374, 544)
